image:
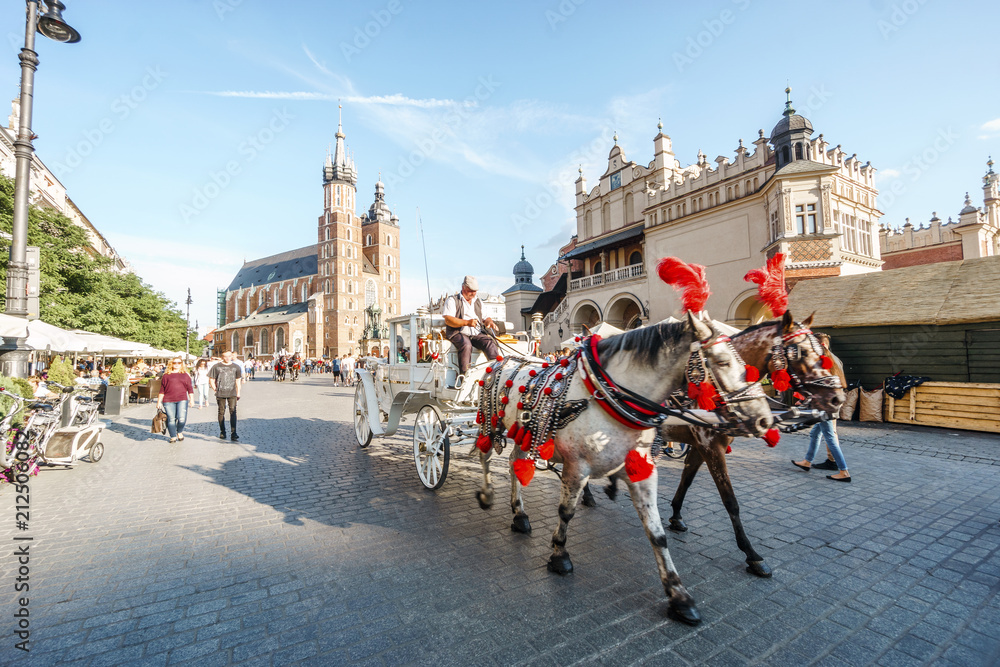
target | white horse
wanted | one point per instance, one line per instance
(652, 363)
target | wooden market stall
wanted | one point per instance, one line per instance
(937, 320)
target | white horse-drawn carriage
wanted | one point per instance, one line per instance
(421, 377)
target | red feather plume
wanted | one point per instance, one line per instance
(771, 284)
(688, 279)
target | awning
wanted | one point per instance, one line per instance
(632, 232)
(547, 301)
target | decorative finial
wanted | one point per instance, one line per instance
(968, 201)
(340, 116)
(522, 252)
(580, 170)
(989, 163)
(659, 124)
(616, 137)
(788, 103)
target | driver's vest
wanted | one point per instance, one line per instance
(477, 305)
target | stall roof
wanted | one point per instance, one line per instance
(632, 232)
(941, 293)
(546, 301)
(273, 315)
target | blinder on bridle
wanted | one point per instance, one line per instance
(699, 371)
(786, 352)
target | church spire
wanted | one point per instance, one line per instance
(342, 167)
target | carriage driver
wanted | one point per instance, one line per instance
(462, 312)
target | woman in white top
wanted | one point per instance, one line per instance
(201, 384)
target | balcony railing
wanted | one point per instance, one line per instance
(613, 276)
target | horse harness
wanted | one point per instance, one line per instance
(785, 352)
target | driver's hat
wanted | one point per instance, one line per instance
(471, 283)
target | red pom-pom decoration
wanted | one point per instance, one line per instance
(508, 383)
(564, 362)
(513, 431)
(520, 405)
(704, 393)
(483, 443)
(522, 389)
(547, 450)
(524, 470)
(637, 466)
(479, 417)
(547, 391)
(826, 362)
(577, 339)
(692, 390)
(481, 383)
(772, 437)
(545, 364)
(499, 357)
(493, 421)
(559, 376)
(525, 440)
(689, 279)
(729, 449)
(504, 400)
(781, 380)
(752, 374)
(501, 414)
(532, 372)
(489, 369)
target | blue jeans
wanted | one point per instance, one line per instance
(177, 416)
(201, 394)
(829, 431)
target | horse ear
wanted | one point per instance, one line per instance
(701, 330)
(787, 322)
(809, 320)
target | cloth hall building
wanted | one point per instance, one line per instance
(789, 192)
(316, 300)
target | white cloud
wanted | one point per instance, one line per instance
(991, 126)
(885, 174)
(389, 100)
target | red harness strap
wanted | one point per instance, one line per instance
(594, 339)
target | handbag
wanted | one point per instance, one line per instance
(159, 422)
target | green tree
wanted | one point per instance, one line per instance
(80, 289)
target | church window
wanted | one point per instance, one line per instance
(347, 320)
(279, 339)
(349, 234)
(265, 341)
(236, 342)
(388, 240)
(369, 293)
(350, 286)
(327, 287)
(368, 240)
(355, 319)
(327, 233)
(248, 302)
(291, 294)
(249, 338)
(305, 293)
(338, 195)
(236, 308)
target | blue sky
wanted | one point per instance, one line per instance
(192, 133)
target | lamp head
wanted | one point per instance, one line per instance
(52, 25)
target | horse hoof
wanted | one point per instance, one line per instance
(612, 490)
(685, 612)
(520, 524)
(759, 568)
(485, 499)
(560, 564)
(588, 499)
(678, 525)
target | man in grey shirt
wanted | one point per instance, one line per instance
(225, 379)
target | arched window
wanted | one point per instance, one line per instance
(798, 151)
(236, 342)
(279, 339)
(249, 338)
(338, 195)
(355, 319)
(756, 183)
(350, 336)
(635, 258)
(350, 287)
(326, 287)
(370, 292)
(350, 305)
(388, 240)
(291, 294)
(368, 240)
(597, 268)
(265, 339)
(349, 234)
(327, 233)
(305, 293)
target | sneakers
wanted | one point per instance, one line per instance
(826, 465)
(222, 435)
(235, 438)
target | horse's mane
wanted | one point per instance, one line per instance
(645, 342)
(755, 327)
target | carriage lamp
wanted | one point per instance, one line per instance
(560, 332)
(423, 322)
(537, 326)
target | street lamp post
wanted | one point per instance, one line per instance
(50, 24)
(187, 328)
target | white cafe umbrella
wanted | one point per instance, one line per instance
(41, 335)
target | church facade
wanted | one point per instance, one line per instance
(313, 300)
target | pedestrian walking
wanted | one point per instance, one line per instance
(336, 371)
(225, 379)
(201, 384)
(176, 390)
(828, 430)
(347, 369)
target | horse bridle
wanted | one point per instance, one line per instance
(785, 352)
(644, 413)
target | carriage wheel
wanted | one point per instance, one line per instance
(431, 448)
(362, 429)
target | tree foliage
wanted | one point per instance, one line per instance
(80, 289)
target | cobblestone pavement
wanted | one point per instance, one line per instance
(294, 546)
